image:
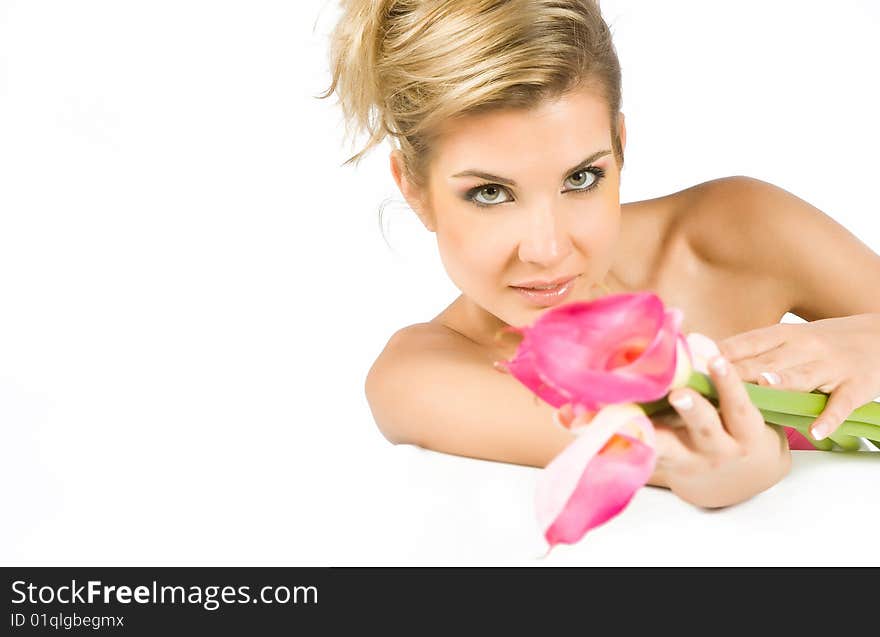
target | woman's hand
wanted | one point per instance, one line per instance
(713, 456)
(836, 356)
(724, 455)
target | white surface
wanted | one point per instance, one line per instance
(823, 513)
(77, 499)
(179, 383)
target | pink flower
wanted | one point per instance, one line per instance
(600, 357)
(620, 348)
(595, 477)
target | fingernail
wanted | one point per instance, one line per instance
(682, 402)
(719, 365)
(771, 377)
(820, 429)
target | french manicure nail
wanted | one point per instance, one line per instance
(771, 377)
(682, 402)
(719, 364)
(820, 429)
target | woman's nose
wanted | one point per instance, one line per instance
(546, 241)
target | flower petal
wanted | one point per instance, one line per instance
(658, 360)
(647, 377)
(617, 349)
(683, 366)
(590, 333)
(606, 487)
(702, 348)
(595, 476)
(798, 441)
(523, 368)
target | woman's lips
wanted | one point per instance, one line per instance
(546, 298)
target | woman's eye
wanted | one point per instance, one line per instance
(492, 195)
(583, 178)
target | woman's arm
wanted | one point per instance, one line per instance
(823, 274)
(822, 270)
(425, 389)
(430, 389)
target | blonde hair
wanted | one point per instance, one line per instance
(401, 68)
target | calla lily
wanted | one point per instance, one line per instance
(595, 477)
(601, 357)
(620, 348)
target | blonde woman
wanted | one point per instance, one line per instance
(508, 143)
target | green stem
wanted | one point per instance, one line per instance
(789, 402)
(802, 424)
(792, 409)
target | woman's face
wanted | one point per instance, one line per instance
(547, 205)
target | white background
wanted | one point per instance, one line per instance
(192, 288)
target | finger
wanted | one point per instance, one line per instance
(701, 420)
(753, 342)
(804, 377)
(741, 418)
(840, 404)
(786, 355)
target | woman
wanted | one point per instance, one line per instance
(509, 147)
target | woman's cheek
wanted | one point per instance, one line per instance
(597, 232)
(476, 258)
(459, 248)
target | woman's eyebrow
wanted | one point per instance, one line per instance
(472, 172)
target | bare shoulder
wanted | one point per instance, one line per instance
(767, 233)
(730, 227)
(703, 228)
(721, 244)
(723, 219)
(416, 346)
(413, 355)
(433, 388)
(427, 336)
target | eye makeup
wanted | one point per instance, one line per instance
(470, 195)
